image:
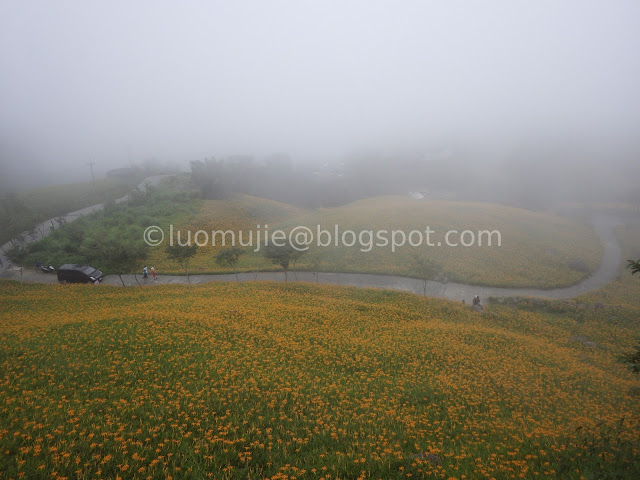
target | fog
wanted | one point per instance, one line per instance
(504, 85)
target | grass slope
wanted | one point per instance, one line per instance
(39, 204)
(538, 250)
(284, 381)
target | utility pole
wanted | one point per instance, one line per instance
(93, 179)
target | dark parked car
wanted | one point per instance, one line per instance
(74, 273)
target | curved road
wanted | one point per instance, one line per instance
(604, 226)
(608, 270)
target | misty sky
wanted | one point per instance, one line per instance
(108, 81)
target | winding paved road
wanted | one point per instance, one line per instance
(603, 225)
(608, 270)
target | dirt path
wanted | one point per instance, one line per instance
(603, 225)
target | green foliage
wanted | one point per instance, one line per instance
(119, 250)
(18, 253)
(112, 239)
(229, 258)
(425, 269)
(633, 360)
(284, 255)
(182, 254)
(634, 266)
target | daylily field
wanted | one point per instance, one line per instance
(537, 249)
(299, 381)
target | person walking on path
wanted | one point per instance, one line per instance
(153, 272)
(145, 273)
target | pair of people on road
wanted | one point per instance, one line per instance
(145, 273)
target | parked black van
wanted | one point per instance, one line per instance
(74, 273)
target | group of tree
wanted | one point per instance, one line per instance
(517, 180)
(119, 251)
(285, 255)
(306, 184)
(229, 258)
